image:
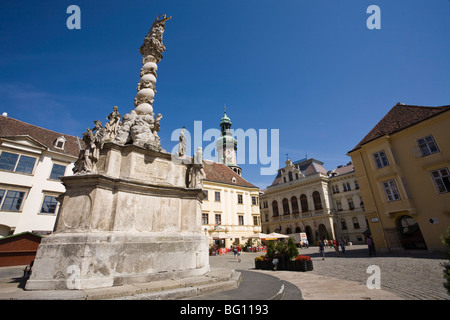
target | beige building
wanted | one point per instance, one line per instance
(305, 197)
(402, 167)
(231, 210)
(31, 161)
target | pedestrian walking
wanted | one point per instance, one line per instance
(235, 251)
(342, 246)
(371, 246)
(336, 247)
(307, 243)
(239, 253)
(322, 249)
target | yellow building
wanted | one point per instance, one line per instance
(402, 167)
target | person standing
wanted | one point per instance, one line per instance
(336, 247)
(322, 249)
(342, 246)
(371, 246)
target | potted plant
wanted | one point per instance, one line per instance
(291, 253)
(281, 255)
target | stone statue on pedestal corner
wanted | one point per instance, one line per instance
(182, 143)
(112, 126)
(197, 172)
(93, 140)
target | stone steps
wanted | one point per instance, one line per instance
(214, 281)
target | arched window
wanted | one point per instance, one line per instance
(304, 203)
(275, 208)
(290, 176)
(317, 201)
(294, 204)
(298, 230)
(285, 206)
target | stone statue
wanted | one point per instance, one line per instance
(112, 126)
(182, 143)
(197, 172)
(153, 41)
(93, 140)
(123, 132)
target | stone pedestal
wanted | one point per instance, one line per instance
(133, 221)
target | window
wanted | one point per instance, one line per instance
(294, 204)
(304, 203)
(17, 163)
(26, 164)
(57, 171)
(338, 205)
(355, 223)
(205, 218)
(356, 185)
(441, 179)
(256, 221)
(275, 208)
(390, 189)
(290, 176)
(241, 220)
(285, 206)
(217, 196)
(254, 200)
(49, 205)
(206, 194)
(317, 201)
(346, 186)
(351, 205)
(8, 161)
(240, 200)
(343, 224)
(427, 145)
(218, 218)
(13, 200)
(381, 159)
(60, 142)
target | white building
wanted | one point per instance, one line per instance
(305, 197)
(31, 160)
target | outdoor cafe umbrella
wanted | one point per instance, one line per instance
(275, 235)
(218, 236)
(257, 235)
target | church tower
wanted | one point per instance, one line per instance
(227, 145)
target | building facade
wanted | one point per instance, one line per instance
(305, 197)
(230, 211)
(402, 166)
(31, 161)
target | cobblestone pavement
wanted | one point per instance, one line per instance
(409, 275)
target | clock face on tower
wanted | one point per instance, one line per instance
(228, 156)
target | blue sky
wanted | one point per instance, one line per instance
(311, 69)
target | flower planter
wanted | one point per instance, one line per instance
(259, 264)
(305, 266)
(268, 265)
